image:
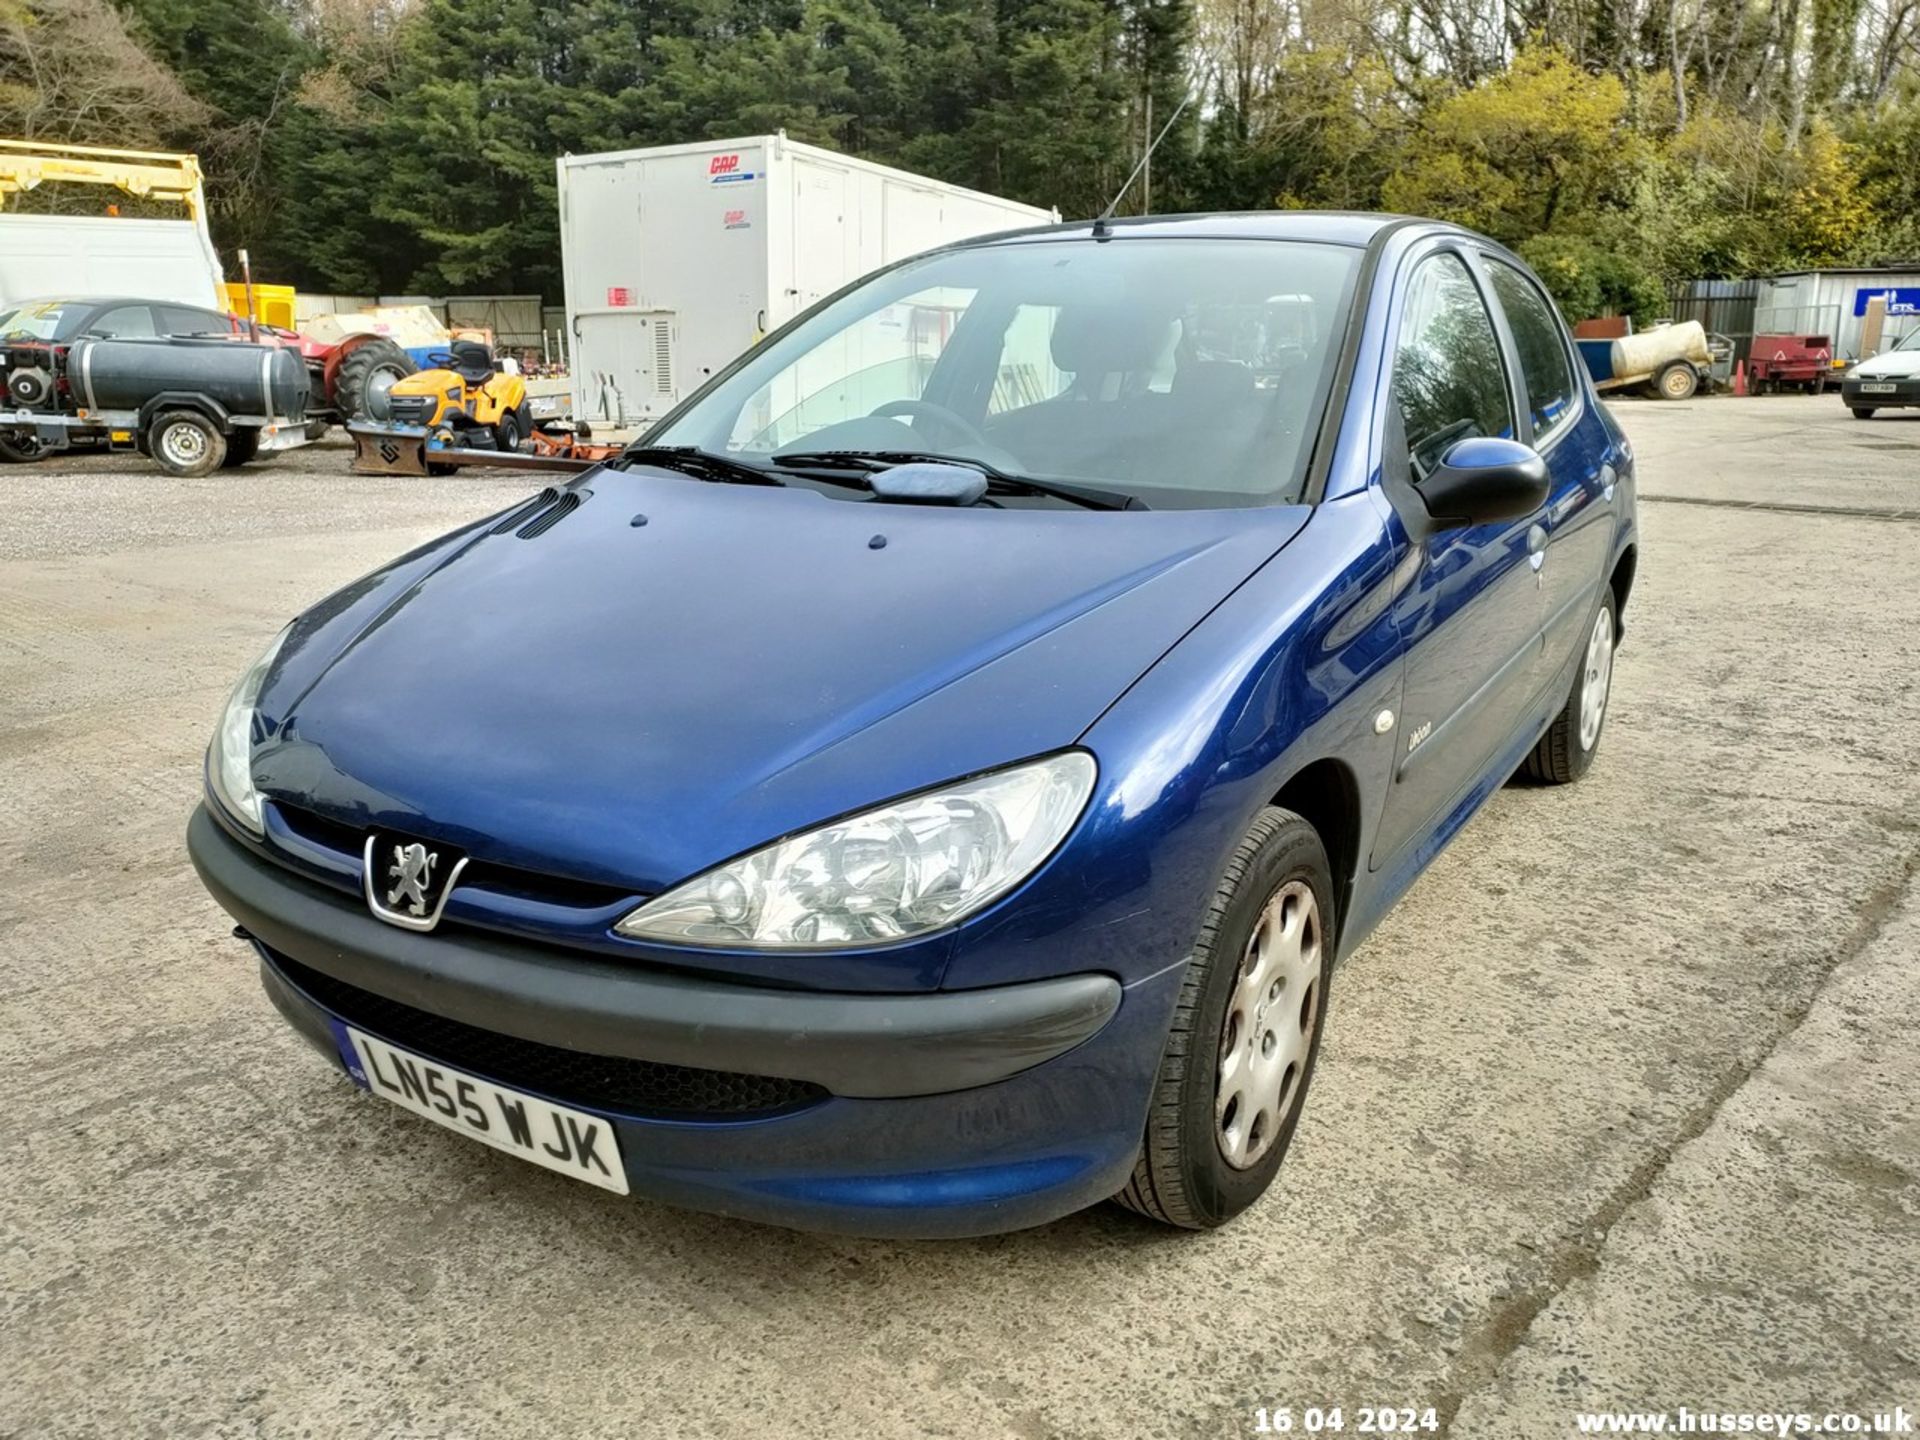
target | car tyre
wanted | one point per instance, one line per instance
(1566, 751)
(1245, 1034)
(1678, 381)
(1862, 412)
(186, 443)
(21, 450)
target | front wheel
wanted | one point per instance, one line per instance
(1565, 752)
(1862, 412)
(1245, 1034)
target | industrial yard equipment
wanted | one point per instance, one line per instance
(466, 399)
(193, 405)
(1672, 362)
(168, 256)
(1778, 361)
(380, 449)
(678, 258)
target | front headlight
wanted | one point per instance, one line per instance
(230, 761)
(885, 875)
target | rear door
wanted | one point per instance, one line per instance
(1573, 438)
(1470, 619)
(124, 322)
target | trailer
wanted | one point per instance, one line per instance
(1668, 361)
(679, 257)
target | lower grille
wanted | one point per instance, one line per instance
(595, 1082)
(410, 409)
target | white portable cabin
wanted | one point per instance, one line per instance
(678, 258)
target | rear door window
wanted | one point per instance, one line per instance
(1543, 352)
(185, 320)
(124, 322)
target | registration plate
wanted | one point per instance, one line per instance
(551, 1136)
(1870, 387)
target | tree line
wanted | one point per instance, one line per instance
(385, 146)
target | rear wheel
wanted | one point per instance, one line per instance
(1565, 752)
(242, 446)
(18, 449)
(186, 443)
(1678, 381)
(365, 378)
(1245, 1034)
(1862, 412)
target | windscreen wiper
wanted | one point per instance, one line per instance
(998, 481)
(700, 464)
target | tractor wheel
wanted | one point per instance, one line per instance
(361, 383)
(317, 429)
(506, 434)
(1678, 381)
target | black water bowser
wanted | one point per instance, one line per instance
(243, 379)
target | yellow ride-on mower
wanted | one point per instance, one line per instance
(464, 401)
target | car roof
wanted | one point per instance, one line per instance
(1331, 227)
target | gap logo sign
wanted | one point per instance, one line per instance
(725, 170)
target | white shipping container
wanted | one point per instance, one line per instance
(678, 258)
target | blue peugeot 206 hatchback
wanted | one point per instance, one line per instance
(924, 786)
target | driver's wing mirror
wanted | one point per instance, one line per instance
(1484, 478)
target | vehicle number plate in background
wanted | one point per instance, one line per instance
(552, 1136)
(1873, 389)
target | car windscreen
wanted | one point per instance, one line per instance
(1184, 372)
(41, 320)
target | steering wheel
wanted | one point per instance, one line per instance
(958, 424)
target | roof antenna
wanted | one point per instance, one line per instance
(1100, 227)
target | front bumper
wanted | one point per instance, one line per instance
(953, 1113)
(1856, 396)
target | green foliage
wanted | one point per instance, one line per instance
(1587, 277)
(1543, 145)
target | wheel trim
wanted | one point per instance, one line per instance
(378, 398)
(1596, 678)
(183, 444)
(1268, 1031)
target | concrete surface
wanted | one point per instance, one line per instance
(1618, 1109)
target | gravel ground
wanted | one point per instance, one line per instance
(1617, 1109)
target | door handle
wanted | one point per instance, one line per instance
(1537, 546)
